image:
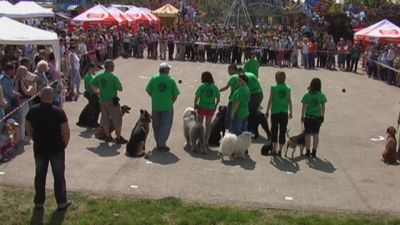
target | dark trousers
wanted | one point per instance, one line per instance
(90, 114)
(254, 104)
(171, 47)
(279, 122)
(354, 63)
(57, 161)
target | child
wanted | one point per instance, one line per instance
(206, 101)
(8, 139)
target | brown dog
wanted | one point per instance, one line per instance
(100, 131)
(137, 142)
(389, 154)
(293, 142)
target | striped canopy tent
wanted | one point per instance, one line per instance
(127, 20)
(96, 16)
(168, 14)
(139, 17)
(383, 31)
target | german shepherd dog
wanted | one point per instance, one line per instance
(136, 145)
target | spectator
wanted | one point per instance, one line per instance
(7, 82)
(74, 77)
(163, 91)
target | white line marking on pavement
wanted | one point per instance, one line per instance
(287, 198)
(144, 77)
(2, 173)
(288, 172)
(380, 138)
(148, 162)
(134, 186)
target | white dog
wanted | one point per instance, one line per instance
(193, 131)
(235, 145)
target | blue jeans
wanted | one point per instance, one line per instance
(162, 123)
(238, 125)
(57, 161)
(305, 60)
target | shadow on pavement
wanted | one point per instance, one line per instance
(88, 133)
(57, 217)
(37, 217)
(260, 140)
(247, 163)
(322, 165)
(163, 158)
(284, 164)
(105, 150)
(211, 155)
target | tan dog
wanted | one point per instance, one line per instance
(294, 141)
(100, 131)
(389, 154)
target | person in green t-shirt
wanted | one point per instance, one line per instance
(90, 113)
(280, 103)
(206, 101)
(163, 91)
(252, 65)
(106, 85)
(240, 107)
(312, 114)
(233, 84)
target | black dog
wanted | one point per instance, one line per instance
(218, 127)
(261, 119)
(136, 145)
(266, 149)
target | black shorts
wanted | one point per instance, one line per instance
(312, 125)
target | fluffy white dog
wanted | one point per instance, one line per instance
(235, 145)
(193, 131)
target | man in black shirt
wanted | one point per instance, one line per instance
(48, 126)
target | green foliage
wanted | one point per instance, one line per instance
(16, 208)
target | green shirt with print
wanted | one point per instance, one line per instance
(108, 84)
(280, 99)
(88, 82)
(252, 66)
(253, 83)
(207, 93)
(234, 83)
(242, 94)
(313, 102)
(163, 89)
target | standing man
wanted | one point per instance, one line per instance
(75, 76)
(163, 91)
(233, 83)
(47, 125)
(107, 85)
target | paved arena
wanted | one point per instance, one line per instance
(347, 175)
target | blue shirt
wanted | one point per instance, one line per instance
(8, 87)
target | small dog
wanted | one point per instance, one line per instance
(218, 127)
(266, 149)
(389, 154)
(293, 142)
(235, 145)
(136, 145)
(193, 131)
(100, 131)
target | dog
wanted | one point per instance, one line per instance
(136, 146)
(266, 149)
(193, 132)
(218, 127)
(293, 142)
(389, 154)
(235, 145)
(100, 134)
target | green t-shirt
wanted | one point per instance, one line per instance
(88, 82)
(162, 88)
(253, 83)
(208, 93)
(108, 84)
(313, 101)
(234, 83)
(252, 66)
(242, 94)
(280, 100)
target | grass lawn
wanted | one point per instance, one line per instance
(16, 208)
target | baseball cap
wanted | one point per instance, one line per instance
(108, 62)
(11, 121)
(30, 76)
(165, 65)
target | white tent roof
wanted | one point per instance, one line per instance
(22, 34)
(27, 10)
(6, 8)
(118, 13)
(97, 13)
(383, 31)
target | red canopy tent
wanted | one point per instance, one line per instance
(140, 17)
(383, 31)
(127, 20)
(95, 16)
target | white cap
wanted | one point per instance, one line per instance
(11, 121)
(30, 76)
(165, 65)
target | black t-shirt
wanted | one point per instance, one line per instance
(46, 120)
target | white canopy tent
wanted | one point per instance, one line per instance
(6, 8)
(22, 34)
(25, 10)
